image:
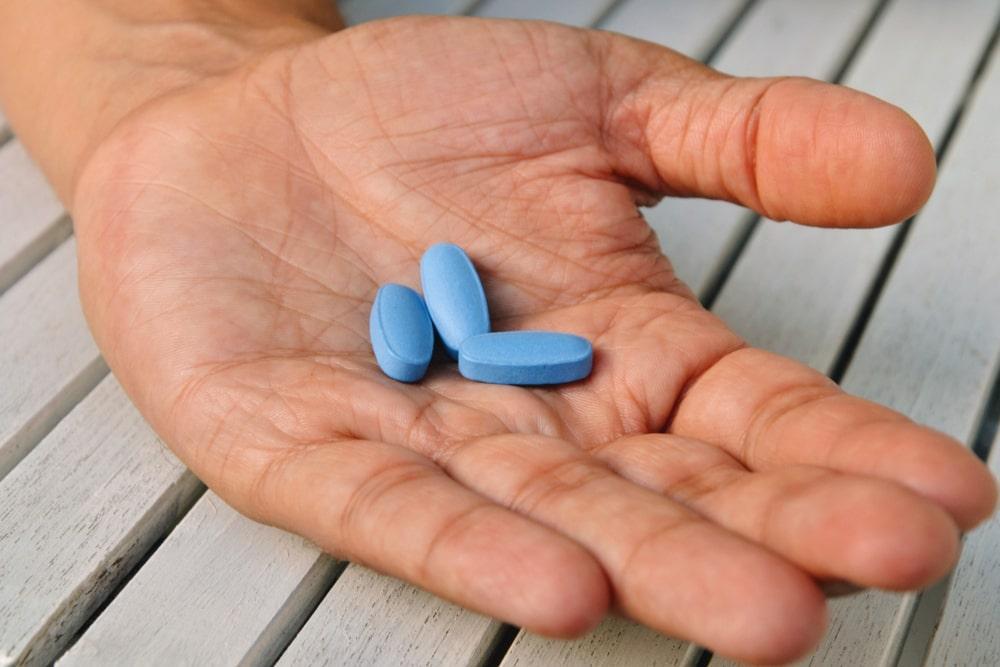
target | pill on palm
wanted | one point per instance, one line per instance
(525, 357)
(401, 333)
(454, 295)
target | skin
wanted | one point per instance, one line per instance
(238, 204)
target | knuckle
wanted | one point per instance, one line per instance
(365, 508)
(551, 483)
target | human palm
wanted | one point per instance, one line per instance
(239, 228)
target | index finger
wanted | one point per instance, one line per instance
(770, 411)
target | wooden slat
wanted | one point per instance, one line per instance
(578, 12)
(358, 11)
(933, 342)
(372, 619)
(48, 359)
(968, 632)
(75, 517)
(798, 290)
(692, 27)
(222, 589)
(32, 221)
(776, 37)
(614, 642)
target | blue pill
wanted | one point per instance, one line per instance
(526, 357)
(454, 295)
(401, 333)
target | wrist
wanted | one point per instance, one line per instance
(69, 75)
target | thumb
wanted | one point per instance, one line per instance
(789, 148)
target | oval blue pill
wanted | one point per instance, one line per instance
(401, 332)
(526, 357)
(454, 295)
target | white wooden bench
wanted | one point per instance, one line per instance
(112, 553)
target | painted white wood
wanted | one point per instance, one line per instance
(615, 641)
(48, 359)
(689, 26)
(798, 290)
(577, 12)
(372, 619)
(932, 344)
(358, 11)
(776, 37)
(968, 632)
(32, 221)
(76, 515)
(244, 589)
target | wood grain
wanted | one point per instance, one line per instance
(775, 37)
(371, 619)
(692, 27)
(615, 641)
(32, 220)
(48, 359)
(244, 588)
(76, 515)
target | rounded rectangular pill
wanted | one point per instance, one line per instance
(454, 295)
(526, 357)
(401, 333)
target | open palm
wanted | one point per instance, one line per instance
(237, 231)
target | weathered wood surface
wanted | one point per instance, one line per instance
(245, 589)
(692, 27)
(968, 632)
(775, 37)
(371, 619)
(32, 221)
(615, 641)
(75, 516)
(48, 359)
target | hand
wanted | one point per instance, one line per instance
(233, 232)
